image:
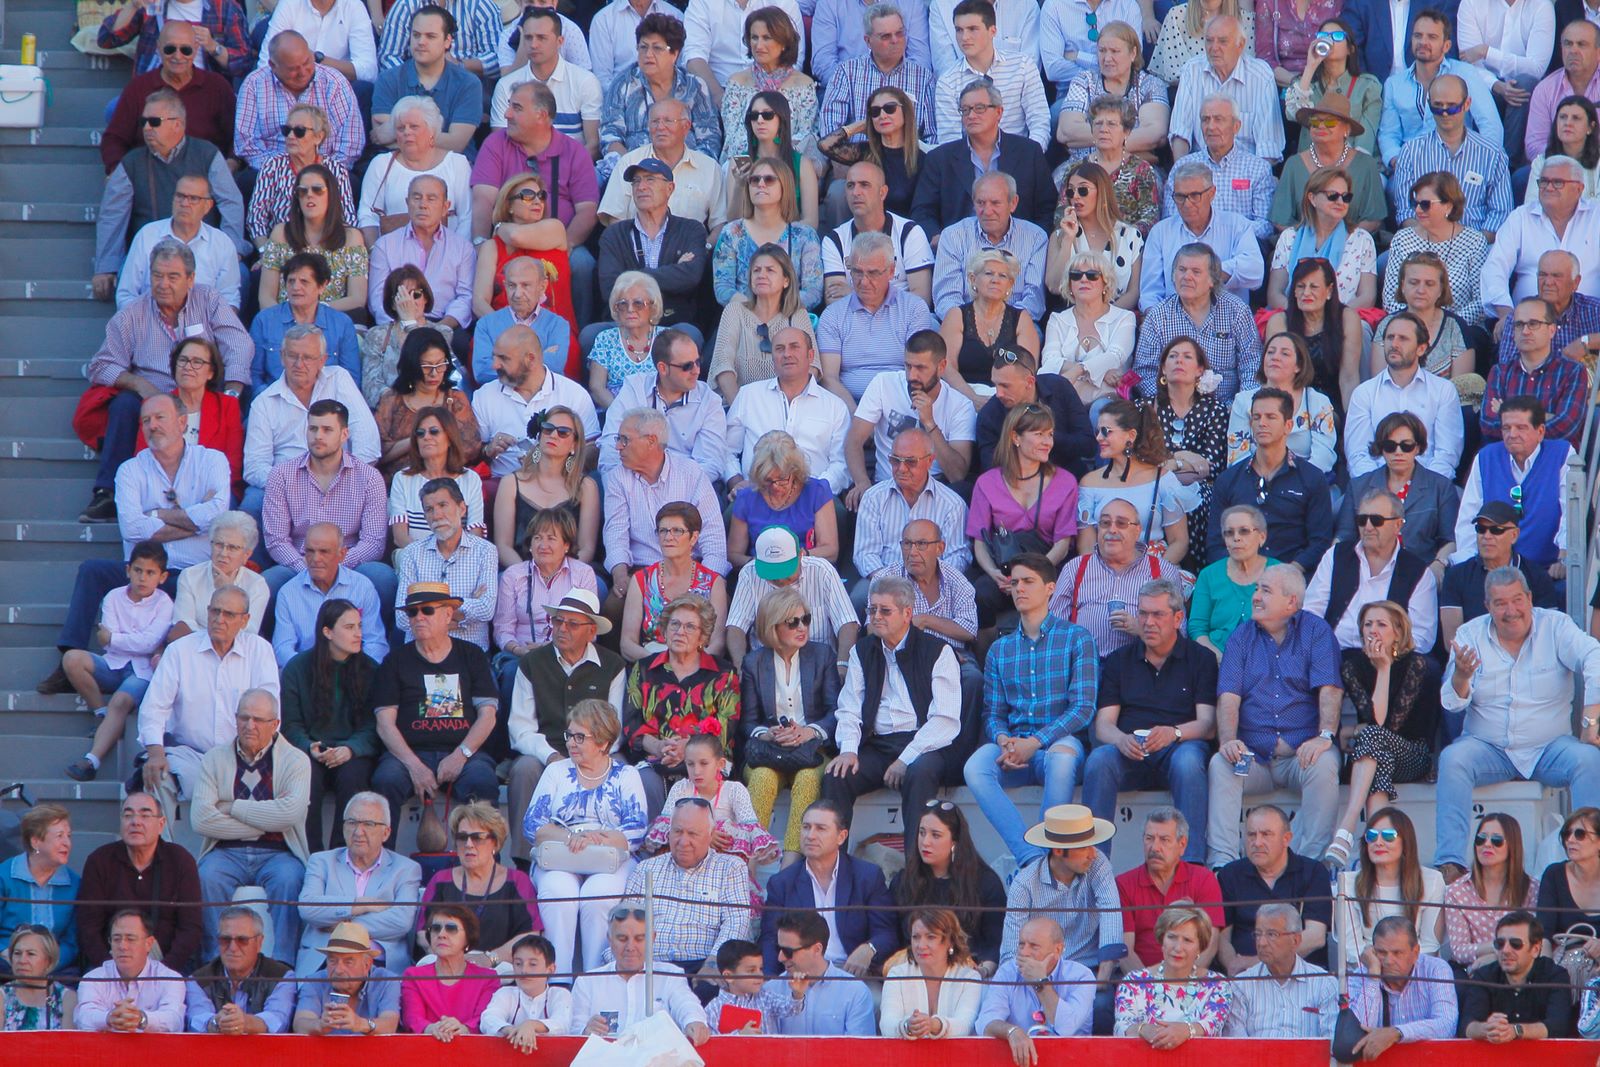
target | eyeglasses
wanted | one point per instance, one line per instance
(870, 275)
(1184, 198)
(1494, 840)
(881, 611)
(763, 179)
(891, 108)
(1339, 198)
(1578, 833)
(1446, 109)
(528, 196)
(1369, 519)
(684, 626)
(182, 49)
(1484, 526)
(797, 621)
(364, 824)
(577, 737)
(1423, 203)
(230, 940)
(295, 131)
(1080, 192)
(153, 121)
(1530, 324)
(413, 610)
(761, 115)
(444, 928)
(476, 837)
(427, 431)
(1516, 943)
(918, 546)
(1388, 834)
(195, 361)
(1555, 183)
(1399, 446)
(651, 48)
(672, 531)
(636, 303)
(976, 109)
(190, 198)
(1083, 275)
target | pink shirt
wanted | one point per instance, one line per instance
(520, 614)
(424, 1000)
(137, 628)
(1468, 929)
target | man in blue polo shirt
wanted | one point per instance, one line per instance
(429, 72)
(1271, 871)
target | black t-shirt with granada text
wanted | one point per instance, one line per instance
(437, 702)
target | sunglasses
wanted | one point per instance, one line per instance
(1516, 500)
(562, 432)
(905, 461)
(1369, 519)
(1083, 275)
(1399, 446)
(763, 179)
(476, 837)
(294, 131)
(413, 610)
(637, 303)
(1484, 526)
(311, 190)
(1331, 35)
(1578, 833)
(444, 928)
(1423, 203)
(941, 805)
(762, 115)
(182, 49)
(1323, 123)
(1340, 198)
(788, 951)
(1390, 834)
(226, 940)
(1079, 192)
(1515, 942)
(426, 431)
(891, 108)
(152, 121)
(576, 736)
(1447, 109)
(1496, 840)
(618, 914)
(528, 196)
(763, 339)
(797, 621)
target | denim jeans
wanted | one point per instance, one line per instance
(277, 871)
(1471, 761)
(1055, 768)
(1181, 768)
(122, 432)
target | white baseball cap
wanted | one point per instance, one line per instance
(777, 553)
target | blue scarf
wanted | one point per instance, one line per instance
(1305, 245)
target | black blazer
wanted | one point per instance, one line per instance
(758, 687)
(680, 281)
(944, 184)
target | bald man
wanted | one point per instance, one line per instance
(526, 280)
(522, 386)
(446, 257)
(300, 600)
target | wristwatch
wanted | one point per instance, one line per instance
(1327, 735)
(1177, 733)
(318, 56)
(466, 751)
(1517, 1029)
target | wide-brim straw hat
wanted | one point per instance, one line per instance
(1070, 826)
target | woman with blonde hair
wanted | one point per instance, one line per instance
(623, 350)
(522, 225)
(1325, 231)
(891, 128)
(987, 324)
(767, 214)
(1089, 219)
(750, 320)
(1090, 342)
(502, 897)
(1120, 76)
(933, 988)
(781, 492)
(31, 1001)
(552, 475)
(788, 686)
(1178, 998)
(276, 185)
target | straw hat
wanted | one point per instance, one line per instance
(1069, 826)
(1335, 106)
(349, 939)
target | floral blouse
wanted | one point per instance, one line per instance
(730, 261)
(348, 262)
(651, 600)
(608, 352)
(618, 803)
(1174, 46)
(19, 1016)
(1360, 257)
(1465, 928)
(1135, 182)
(1143, 998)
(380, 357)
(1313, 435)
(660, 704)
(736, 99)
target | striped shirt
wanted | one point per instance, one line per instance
(139, 341)
(1304, 1005)
(820, 586)
(264, 106)
(1026, 114)
(1423, 1011)
(1043, 687)
(1091, 937)
(1250, 85)
(1017, 23)
(1405, 107)
(1479, 165)
(1228, 332)
(577, 94)
(883, 514)
(477, 32)
(876, 339)
(1087, 587)
(631, 504)
(957, 600)
(471, 572)
(1245, 186)
(855, 80)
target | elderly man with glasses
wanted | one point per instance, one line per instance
(241, 991)
(608, 999)
(363, 880)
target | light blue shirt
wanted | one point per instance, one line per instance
(1015, 1004)
(277, 1012)
(555, 335)
(838, 1007)
(1230, 235)
(1406, 115)
(299, 602)
(272, 323)
(1023, 239)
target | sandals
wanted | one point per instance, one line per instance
(1337, 858)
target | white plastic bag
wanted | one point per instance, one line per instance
(652, 1042)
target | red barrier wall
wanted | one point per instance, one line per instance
(174, 1050)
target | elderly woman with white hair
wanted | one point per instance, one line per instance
(234, 536)
(623, 350)
(417, 124)
(307, 126)
(988, 324)
(1090, 343)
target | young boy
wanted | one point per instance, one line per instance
(740, 964)
(134, 620)
(521, 1012)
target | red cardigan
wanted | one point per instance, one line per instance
(221, 428)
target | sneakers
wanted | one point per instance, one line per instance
(102, 508)
(81, 770)
(55, 682)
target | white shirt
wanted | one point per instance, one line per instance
(1400, 30)
(195, 692)
(1428, 396)
(886, 405)
(1528, 234)
(501, 409)
(388, 181)
(523, 724)
(912, 252)
(277, 430)
(577, 94)
(1063, 350)
(510, 1006)
(699, 188)
(1027, 112)
(216, 262)
(1472, 500)
(715, 33)
(895, 714)
(1521, 34)
(603, 989)
(1373, 586)
(345, 32)
(822, 897)
(1016, 23)
(201, 487)
(197, 583)
(816, 419)
(1521, 704)
(611, 40)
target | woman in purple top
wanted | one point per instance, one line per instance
(446, 998)
(1023, 504)
(782, 492)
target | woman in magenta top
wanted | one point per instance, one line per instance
(445, 998)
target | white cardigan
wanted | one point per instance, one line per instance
(247, 820)
(958, 999)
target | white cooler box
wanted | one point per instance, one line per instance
(22, 93)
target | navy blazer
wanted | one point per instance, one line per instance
(856, 882)
(1369, 21)
(758, 688)
(944, 184)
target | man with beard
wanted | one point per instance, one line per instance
(523, 386)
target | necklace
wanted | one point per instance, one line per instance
(590, 777)
(985, 334)
(1320, 165)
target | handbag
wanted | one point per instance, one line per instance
(785, 759)
(593, 859)
(1572, 958)
(1006, 545)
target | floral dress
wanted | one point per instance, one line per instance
(19, 1016)
(731, 810)
(1313, 435)
(1143, 997)
(617, 803)
(660, 704)
(649, 582)
(1203, 431)
(730, 261)
(348, 262)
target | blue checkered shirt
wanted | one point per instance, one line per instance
(957, 601)
(1245, 186)
(1043, 687)
(1228, 334)
(1488, 197)
(855, 80)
